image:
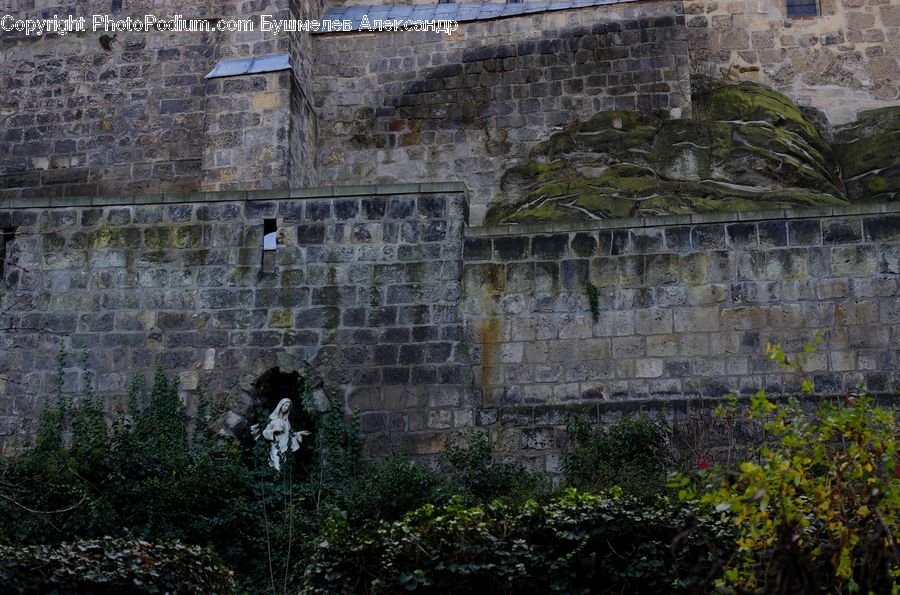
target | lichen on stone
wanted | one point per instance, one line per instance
(747, 148)
(868, 151)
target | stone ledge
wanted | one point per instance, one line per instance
(235, 195)
(681, 220)
(673, 406)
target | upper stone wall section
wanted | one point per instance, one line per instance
(337, 4)
(413, 106)
(459, 12)
(97, 112)
(842, 62)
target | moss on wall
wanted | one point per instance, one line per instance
(868, 153)
(748, 148)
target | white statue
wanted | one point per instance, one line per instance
(280, 434)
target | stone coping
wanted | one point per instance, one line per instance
(233, 195)
(444, 187)
(454, 11)
(674, 220)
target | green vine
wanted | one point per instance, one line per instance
(593, 296)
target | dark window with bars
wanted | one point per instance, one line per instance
(802, 8)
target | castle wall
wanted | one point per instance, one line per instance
(842, 62)
(685, 305)
(411, 106)
(433, 328)
(364, 287)
(136, 116)
(685, 309)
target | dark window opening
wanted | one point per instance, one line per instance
(6, 238)
(802, 8)
(446, 1)
(270, 243)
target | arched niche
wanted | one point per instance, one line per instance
(268, 380)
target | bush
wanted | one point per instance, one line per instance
(632, 454)
(818, 509)
(142, 477)
(112, 566)
(477, 477)
(147, 477)
(390, 489)
(576, 543)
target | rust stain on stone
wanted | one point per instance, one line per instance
(489, 332)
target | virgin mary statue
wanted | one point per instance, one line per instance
(278, 431)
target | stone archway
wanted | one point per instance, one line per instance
(270, 378)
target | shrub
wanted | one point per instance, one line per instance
(143, 477)
(390, 489)
(632, 454)
(477, 477)
(112, 566)
(576, 543)
(147, 477)
(818, 510)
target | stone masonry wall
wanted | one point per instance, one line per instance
(403, 107)
(842, 62)
(78, 118)
(686, 307)
(434, 329)
(365, 288)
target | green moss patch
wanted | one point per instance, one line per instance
(868, 153)
(752, 149)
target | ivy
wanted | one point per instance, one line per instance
(593, 296)
(113, 566)
(575, 543)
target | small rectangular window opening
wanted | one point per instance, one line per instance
(270, 243)
(802, 8)
(6, 237)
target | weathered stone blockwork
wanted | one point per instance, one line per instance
(685, 308)
(97, 113)
(405, 107)
(841, 62)
(365, 288)
(434, 329)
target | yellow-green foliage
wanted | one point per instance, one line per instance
(819, 509)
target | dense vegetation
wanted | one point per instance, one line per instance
(817, 508)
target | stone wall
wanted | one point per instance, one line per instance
(685, 305)
(685, 308)
(365, 288)
(404, 107)
(432, 328)
(841, 62)
(84, 114)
